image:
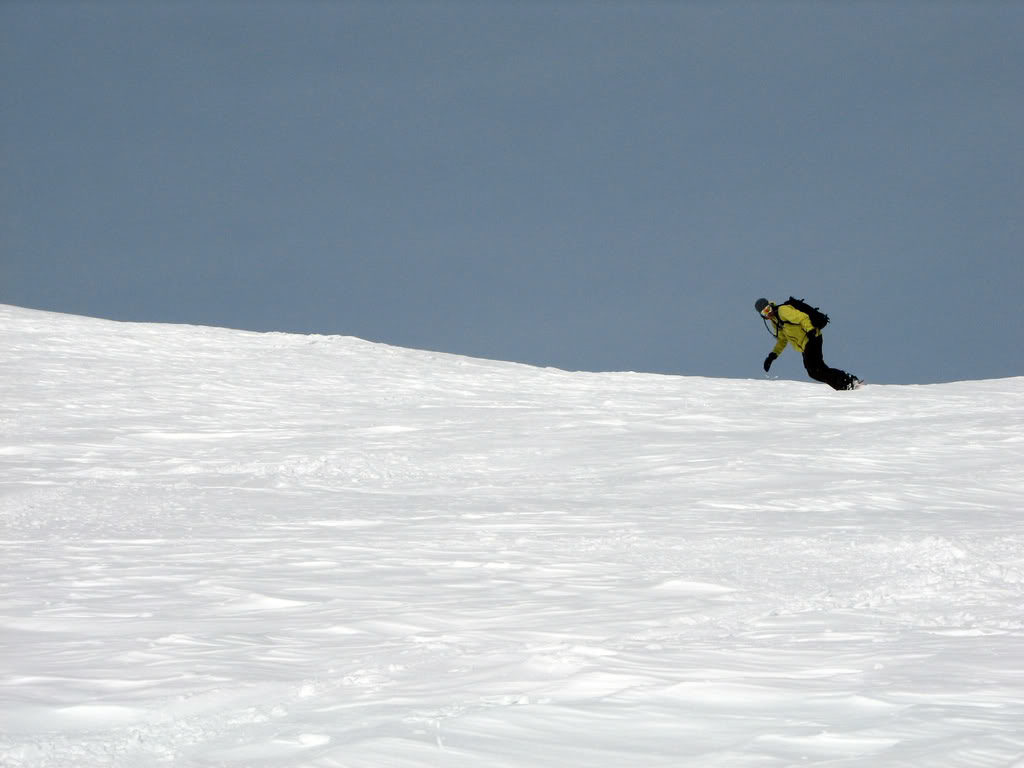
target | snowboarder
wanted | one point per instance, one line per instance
(793, 326)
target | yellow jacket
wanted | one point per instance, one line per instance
(793, 327)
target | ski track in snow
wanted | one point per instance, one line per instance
(221, 548)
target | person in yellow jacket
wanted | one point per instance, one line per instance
(791, 326)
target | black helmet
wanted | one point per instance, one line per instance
(760, 304)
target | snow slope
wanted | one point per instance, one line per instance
(222, 548)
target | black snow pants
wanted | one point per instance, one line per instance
(814, 362)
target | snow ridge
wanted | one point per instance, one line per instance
(242, 549)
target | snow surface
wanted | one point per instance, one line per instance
(223, 548)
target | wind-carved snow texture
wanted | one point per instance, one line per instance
(235, 549)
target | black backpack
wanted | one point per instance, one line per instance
(818, 318)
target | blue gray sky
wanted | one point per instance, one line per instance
(586, 185)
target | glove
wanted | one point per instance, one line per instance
(769, 360)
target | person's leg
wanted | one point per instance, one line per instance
(814, 362)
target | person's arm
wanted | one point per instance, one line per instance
(794, 316)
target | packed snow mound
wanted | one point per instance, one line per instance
(261, 549)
